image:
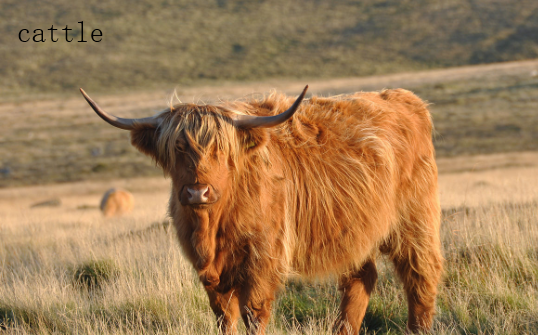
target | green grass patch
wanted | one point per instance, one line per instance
(303, 302)
(94, 274)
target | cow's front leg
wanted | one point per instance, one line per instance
(226, 309)
(256, 306)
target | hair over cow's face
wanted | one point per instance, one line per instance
(200, 177)
(201, 150)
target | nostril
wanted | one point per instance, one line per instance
(190, 192)
(205, 193)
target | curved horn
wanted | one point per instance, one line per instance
(251, 121)
(118, 122)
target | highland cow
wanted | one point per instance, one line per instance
(261, 190)
(116, 202)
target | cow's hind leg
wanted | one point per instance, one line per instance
(356, 288)
(420, 283)
(226, 309)
(417, 258)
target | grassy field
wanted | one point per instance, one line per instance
(64, 269)
(67, 270)
(476, 110)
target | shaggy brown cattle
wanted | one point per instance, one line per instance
(116, 202)
(258, 195)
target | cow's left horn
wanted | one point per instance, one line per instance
(119, 122)
(250, 121)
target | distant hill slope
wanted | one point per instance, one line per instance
(476, 110)
(150, 43)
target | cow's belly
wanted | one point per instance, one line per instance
(325, 254)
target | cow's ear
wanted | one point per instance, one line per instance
(145, 140)
(254, 139)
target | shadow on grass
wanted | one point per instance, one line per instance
(141, 233)
(303, 303)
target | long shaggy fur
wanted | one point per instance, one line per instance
(319, 194)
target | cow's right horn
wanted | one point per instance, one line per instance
(118, 122)
(251, 121)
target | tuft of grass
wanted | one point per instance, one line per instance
(13, 318)
(56, 202)
(10, 317)
(94, 274)
(100, 167)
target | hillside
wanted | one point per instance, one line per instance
(148, 44)
(480, 109)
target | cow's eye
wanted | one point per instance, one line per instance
(180, 148)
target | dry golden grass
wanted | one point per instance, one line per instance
(68, 270)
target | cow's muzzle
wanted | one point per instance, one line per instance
(198, 195)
